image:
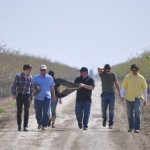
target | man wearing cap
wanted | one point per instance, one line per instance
(134, 90)
(83, 98)
(43, 98)
(21, 91)
(109, 82)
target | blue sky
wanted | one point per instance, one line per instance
(78, 33)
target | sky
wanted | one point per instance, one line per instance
(77, 33)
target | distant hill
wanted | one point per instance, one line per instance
(11, 62)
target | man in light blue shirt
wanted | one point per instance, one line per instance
(43, 98)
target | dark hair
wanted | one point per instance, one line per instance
(27, 66)
(83, 69)
(51, 73)
(134, 66)
(107, 66)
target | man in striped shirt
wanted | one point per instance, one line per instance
(21, 91)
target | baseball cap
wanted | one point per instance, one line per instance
(107, 66)
(43, 67)
(84, 69)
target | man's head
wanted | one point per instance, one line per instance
(27, 68)
(134, 68)
(51, 73)
(43, 70)
(107, 68)
(84, 72)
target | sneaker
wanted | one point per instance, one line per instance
(80, 125)
(39, 126)
(137, 131)
(130, 130)
(110, 127)
(85, 128)
(53, 126)
(49, 123)
(104, 123)
(19, 128)
(25, 129)
(43, 128)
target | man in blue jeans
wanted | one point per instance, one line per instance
(43, 98)
(134, 90)
(109, 81)
(83, 98)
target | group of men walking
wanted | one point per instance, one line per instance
(133, 89)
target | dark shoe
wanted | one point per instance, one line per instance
(137, 131)
(19, 128)
(110, 127)
(104, 123)
(39, 126)
(80, 125)
(25, 129)
(49, 123)
(130, 130)
(53, 126)
(43, 128)
(85, 128)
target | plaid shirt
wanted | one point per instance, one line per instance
(22, 84)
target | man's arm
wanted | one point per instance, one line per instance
(100, 70)
(88, 87)
(117, 86)
(53, 94)
(145, 97)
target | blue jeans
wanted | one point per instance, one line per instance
(108, 99)
(53, 107)
(134, 113)
(82, 111)
(42, 109)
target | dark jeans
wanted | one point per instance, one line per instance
(42, 110)
(108, 99)
(134, 113)
(53, 107)
(82, 111)
(23, 100)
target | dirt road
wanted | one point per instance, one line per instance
(67, 135)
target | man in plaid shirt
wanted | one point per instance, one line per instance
(21, 91)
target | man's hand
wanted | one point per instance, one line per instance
(122, 99)
(60, 101)
(81, 85)
(145, 103)
(53, 99)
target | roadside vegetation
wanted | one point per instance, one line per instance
(11, 62)
(143, 61)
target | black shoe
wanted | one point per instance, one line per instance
(85, 128)
(53, 126)
(104, 123)
(49, 123)
(43, 128)
(25, 129)
(19, 128)
(130, 130)
(136, 131)
(39, 126)
(80, 125)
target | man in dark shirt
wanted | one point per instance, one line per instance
(109, 82)
(21, 91)
(83, 98)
